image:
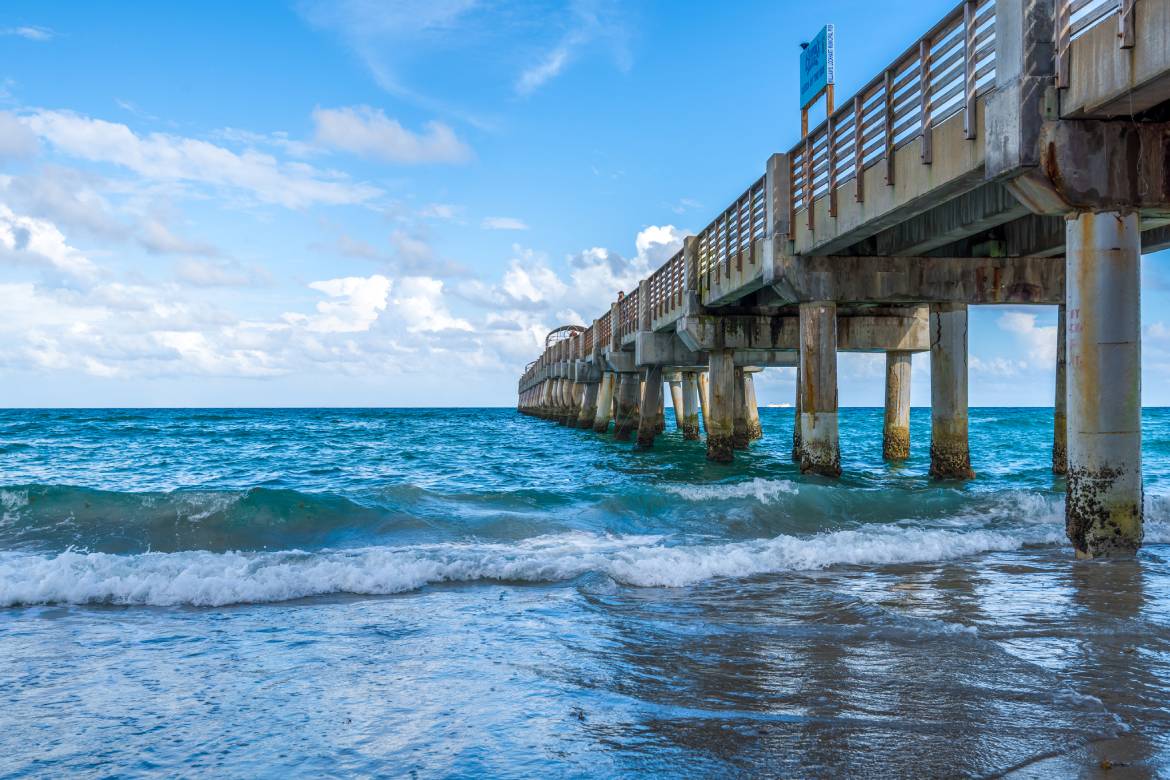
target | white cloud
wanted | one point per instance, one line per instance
(39, 242)
(419, 302)
(353, 306)
(531, 79)
(16, 140)
(503, 223)
(658, 243)
(169, 158)
(368, 132)
(532, 283)
(208, 273)
(997, 366)
(158, 239)
(29, 33)
(1040, 341)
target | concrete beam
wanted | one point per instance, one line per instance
(967, 215)
(972, 280)
(756, 338)
(1089, 165)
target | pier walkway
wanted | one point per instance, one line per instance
(1014, 154)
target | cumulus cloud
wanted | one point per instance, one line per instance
(353, 305)
(38, 242)
(419, 302)
(170, 158)
(503, 223)
(368, 132)
(1040, 341)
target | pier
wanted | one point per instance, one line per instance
(1014, 154)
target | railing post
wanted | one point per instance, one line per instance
(1125, 21)
(831, 153)
(615, 326)
(1063, 40)
(889, 127)
(970, 7)
(808, 185)
(924, 97)
(858, 151)
(643, 314)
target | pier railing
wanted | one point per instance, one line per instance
(940, 75)
(1075, 17)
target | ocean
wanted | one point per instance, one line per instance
(473, 593)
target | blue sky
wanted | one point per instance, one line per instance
(390, 203)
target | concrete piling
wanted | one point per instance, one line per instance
(690, 405)
(604, 403)
(627, 418)
(739, 430)
(896, 430)
(719, 412)
(751, 405)
(588, 406)
(1060, 405)
(676, 398)
(704, 396)
(651, 406)
(820, 453)
(1103, 509)
(950, 453)
(796, 405)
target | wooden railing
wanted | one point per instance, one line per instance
(668, 285)
(628, 315)
(732, 234)
(604, 331)
(1075, 17)
(940, 75)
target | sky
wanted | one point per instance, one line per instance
(360, 203)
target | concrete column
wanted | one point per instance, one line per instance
(588, 406)
(797, 405)
(660, 419)
(739, 431)
(1060, 406)
(676, 399)
(651, 407)
(896, 431)
(752, 406)
(704, 396)
(1103, 509)
(690, 406)
(604, 403)
(719, 412)
(820, 452)
(568, 414)
(626, 420)
(950, 453)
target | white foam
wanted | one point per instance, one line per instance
(204, 578)
(763, 490)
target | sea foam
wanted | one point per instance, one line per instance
(205, 578)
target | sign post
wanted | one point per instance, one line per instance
(817, 66)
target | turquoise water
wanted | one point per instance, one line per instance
(468, 592)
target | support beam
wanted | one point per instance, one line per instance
(626, 420)
(1060, 405)
(1103, 510)
(896, 430)
(739, 428)
(820, 452)
(651, 407)
(950, 453)
(752, 406)
(690, 405)
(719, 412)
(604, 402)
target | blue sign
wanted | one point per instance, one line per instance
(817, 63)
